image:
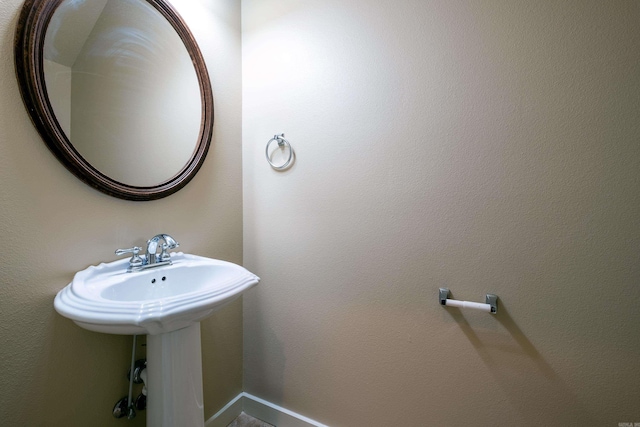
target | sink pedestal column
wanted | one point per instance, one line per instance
(174, 384)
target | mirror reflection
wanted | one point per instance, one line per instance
(123, 88)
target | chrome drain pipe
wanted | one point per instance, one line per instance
(124, 406)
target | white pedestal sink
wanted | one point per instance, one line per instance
(166, 303)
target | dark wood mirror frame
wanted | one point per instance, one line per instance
(28, 52)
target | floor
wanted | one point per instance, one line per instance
(245, 420)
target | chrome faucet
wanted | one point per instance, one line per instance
(151, 258)
(152, 247)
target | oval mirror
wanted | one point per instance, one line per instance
(118, 90)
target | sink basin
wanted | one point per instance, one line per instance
(165, 303)
(105, 298)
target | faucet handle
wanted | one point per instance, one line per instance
(165, 256)
(135, 260)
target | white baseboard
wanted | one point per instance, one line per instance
(261, 409)
(228, 413)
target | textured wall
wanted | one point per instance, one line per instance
(487, 146)
(53, 372)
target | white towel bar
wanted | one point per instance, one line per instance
(490, 305)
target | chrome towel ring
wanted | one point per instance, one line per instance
(281, 143)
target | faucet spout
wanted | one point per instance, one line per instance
(152, 248)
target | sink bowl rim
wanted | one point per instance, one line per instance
(91, 310)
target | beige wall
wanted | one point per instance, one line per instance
(53, 372)
(486, 146)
